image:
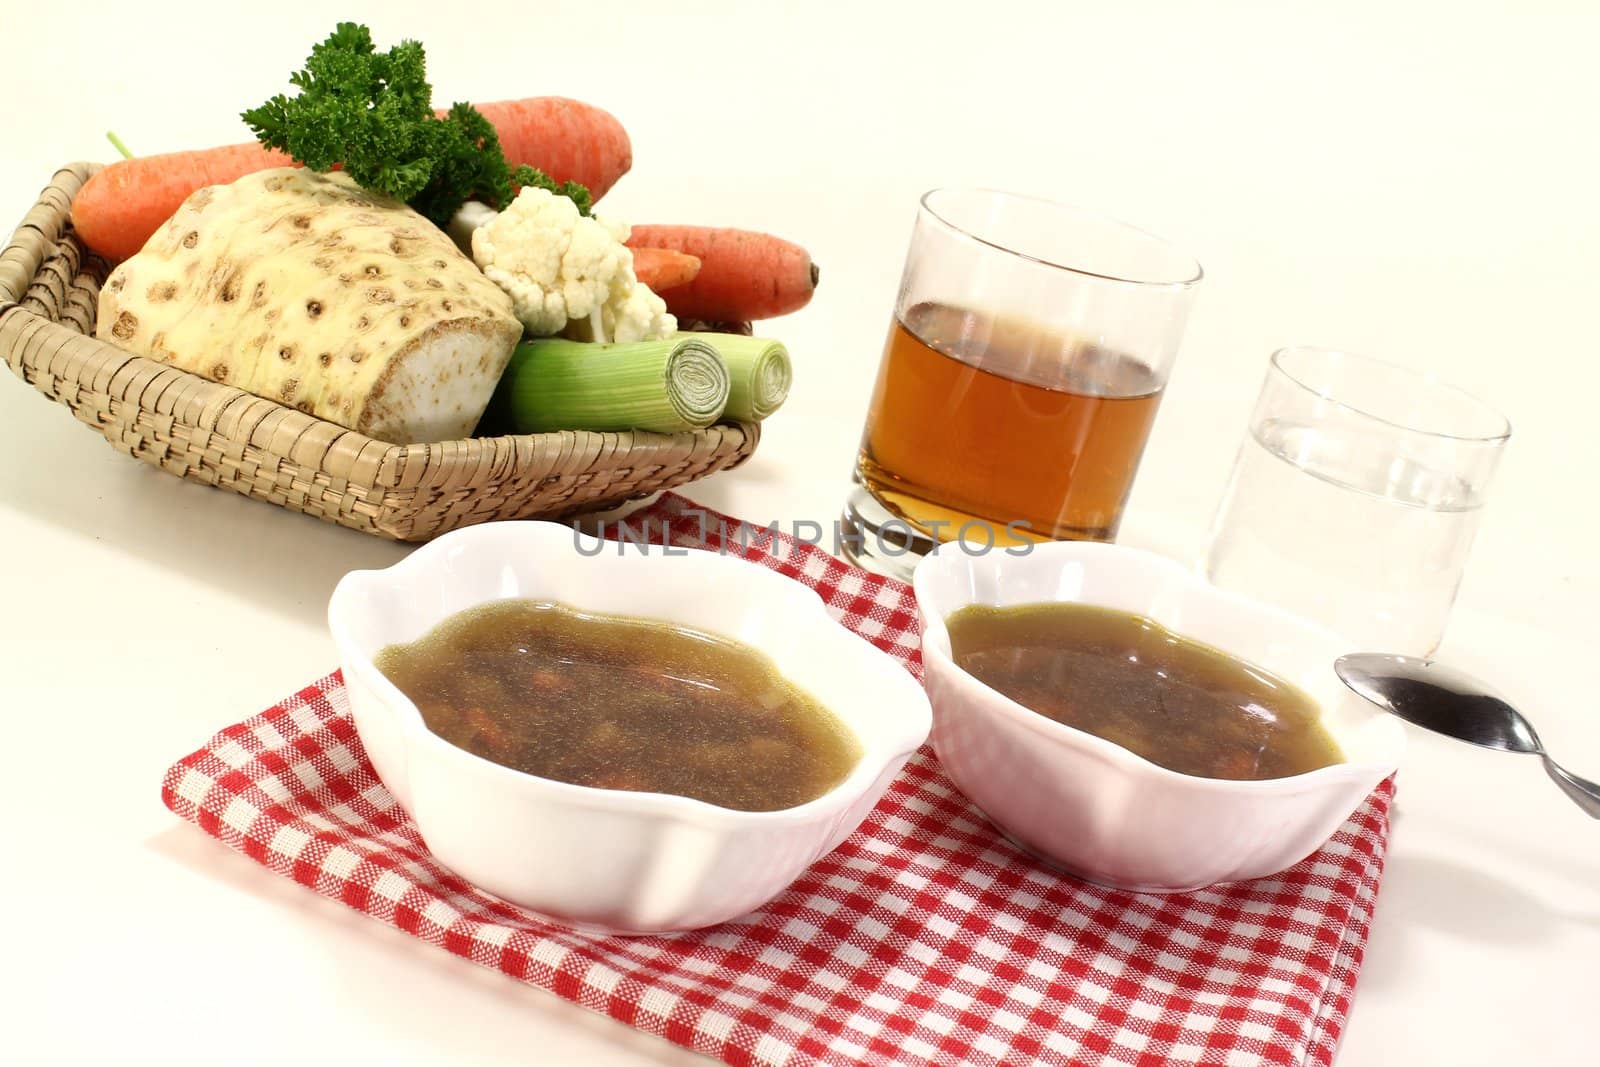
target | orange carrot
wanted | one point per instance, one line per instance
(743, 274)
(567, 139)
(120, 207)
(662, 268)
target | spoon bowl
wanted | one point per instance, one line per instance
(1453, 703)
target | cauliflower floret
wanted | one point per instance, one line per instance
(562, 269)
(639, 316)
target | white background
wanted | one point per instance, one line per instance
(1414, 181)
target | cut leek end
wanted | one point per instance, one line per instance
(760, 370)
(664, 386)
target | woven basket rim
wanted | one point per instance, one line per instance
(317, 443)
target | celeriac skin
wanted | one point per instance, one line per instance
(308, 290)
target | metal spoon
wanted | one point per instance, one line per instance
(1450, 702)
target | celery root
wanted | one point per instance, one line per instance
(308, 290)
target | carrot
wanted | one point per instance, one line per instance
(567, 139)
(120, 207)
(662, 268)
(743, 274)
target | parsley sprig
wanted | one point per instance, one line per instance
(371, 113)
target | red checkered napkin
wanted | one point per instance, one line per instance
(926, 937)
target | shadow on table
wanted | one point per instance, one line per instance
(385, 974)
(274, 558)
(1465, 903)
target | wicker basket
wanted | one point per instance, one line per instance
(212, 433)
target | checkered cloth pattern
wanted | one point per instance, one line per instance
(925, 938)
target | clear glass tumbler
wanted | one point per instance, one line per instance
(1355, 497)
(1027, 356)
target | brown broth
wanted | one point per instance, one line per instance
(622, 703)
(996, 420)
(1178, 703)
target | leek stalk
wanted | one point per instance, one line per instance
(555, 384)
(759, 372)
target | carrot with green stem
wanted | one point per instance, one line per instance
(124, 203)
(370, 114)
(119, 208)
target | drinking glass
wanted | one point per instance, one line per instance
(1355, 497)
(1029, 348)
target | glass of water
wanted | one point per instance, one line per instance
(1355, 497)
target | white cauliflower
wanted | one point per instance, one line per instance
(565, 272)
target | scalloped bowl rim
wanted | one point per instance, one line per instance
(936, 642)
(807, 606)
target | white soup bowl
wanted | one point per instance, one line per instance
(604, 860)
(1093, 807)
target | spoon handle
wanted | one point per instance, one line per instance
(1583, 792)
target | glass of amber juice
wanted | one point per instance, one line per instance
(1029, 349)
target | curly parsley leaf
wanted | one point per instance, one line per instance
(578, 194)
(371, 113)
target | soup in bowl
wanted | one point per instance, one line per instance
(600, 832)
(1122, 719)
